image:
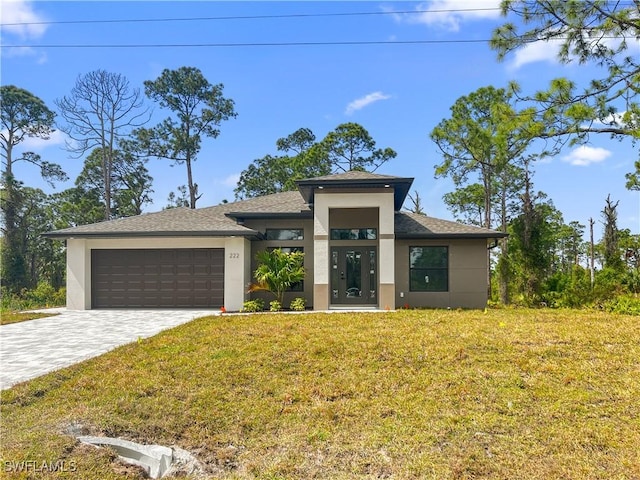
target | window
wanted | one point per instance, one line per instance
(429, 269)
(296, 287)
(354, 234)
(285, 234)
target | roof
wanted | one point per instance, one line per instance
(219, 220)
(227, 219)
(357, 179)
(414, 225)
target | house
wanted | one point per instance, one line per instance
(361, 251)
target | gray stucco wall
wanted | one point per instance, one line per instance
(467, 275)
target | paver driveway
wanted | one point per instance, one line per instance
(33, 348)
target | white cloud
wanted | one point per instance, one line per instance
(37, 144)
(231, 181)
(450, 14)
(584, 156)
(22, 12)
(536, 52)
(362, 102)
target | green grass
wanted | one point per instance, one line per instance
(502, 394)
(7, 317)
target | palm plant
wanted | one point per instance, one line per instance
(277, 271)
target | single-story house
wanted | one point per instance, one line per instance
(360, 250)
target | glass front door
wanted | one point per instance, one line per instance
(353, 276)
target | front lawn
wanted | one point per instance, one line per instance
(502, 394)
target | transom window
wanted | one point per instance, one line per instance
(285, 234)
(429, 269)
(354, 234)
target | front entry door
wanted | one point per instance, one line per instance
(354, 276)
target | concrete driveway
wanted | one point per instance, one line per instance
(33, 348)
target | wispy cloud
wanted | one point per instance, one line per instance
(536, 52)
(231, 181)
(584, 156)
(24, 24)
(362, 102)
(451, 14)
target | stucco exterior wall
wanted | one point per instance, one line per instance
(467, 275)
(236, 275)
(327, 200)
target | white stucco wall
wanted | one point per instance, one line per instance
(236, 274)
(383, 201)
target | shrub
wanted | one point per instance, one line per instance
(624, 304)
(298, 304)
(256, 305)
(275, 306)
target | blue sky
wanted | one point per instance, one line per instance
(398, 92)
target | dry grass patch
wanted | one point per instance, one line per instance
(411, 394)
(7, 317)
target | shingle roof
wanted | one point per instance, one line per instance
(189, 222)
(413, 225)
(220, 220)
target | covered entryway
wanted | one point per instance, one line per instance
(353, 276)
(157, 278)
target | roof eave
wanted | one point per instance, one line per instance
(404, 235)
(212, 233)
(262, 215)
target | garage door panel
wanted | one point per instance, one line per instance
(152, 278)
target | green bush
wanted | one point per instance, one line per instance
(275, 306)
(624, 304)
(256, 305)
(298, 304)
(43, 296)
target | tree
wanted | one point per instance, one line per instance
(272, 174)
(588, 32)
(633, 179)
(532, 242)
(25, 116)
(101, 110)
(350, 147)
(612, 257)
(199, 109)
(416, 200)
(278, 271)
(484, 145)
(130, 182)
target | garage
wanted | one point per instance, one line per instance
(157, 278)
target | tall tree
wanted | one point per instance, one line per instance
(593, 32)
(199, 109)
(351, 147)
(130, 181)
(484, 145)
(25, 116)
(532, 242)
(302, 158)
(612, 257)
(101, 109)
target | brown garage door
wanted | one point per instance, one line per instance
(157, 278)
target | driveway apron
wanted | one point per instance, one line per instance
(35, 347)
